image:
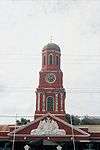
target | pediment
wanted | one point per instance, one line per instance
(49, 125)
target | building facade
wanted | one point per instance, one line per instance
(49, 130)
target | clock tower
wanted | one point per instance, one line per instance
(50, 94)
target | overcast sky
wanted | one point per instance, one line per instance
(25, 27)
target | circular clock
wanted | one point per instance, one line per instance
(50, 78)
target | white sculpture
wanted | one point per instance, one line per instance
(26, 147)
(48, 127)
(59, 147)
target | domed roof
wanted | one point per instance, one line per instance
(52, 46)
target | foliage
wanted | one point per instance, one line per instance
(22, 121)
(75, 119)
(90, 121)
(85, 120)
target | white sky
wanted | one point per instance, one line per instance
(25, 27)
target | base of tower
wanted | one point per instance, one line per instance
(61, 116)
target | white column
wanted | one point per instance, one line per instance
(43, 103)
(61, 94)
(56, 101)
(38, 102)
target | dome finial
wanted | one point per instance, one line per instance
(51, 39)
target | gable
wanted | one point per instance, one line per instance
(49, 125)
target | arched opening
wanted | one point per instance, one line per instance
(50, 59)
(50, 103)
(43, 60)
(57, 60)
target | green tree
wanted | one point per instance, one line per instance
(22, 121)
(87, 120)
(75, 119)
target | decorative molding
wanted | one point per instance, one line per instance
(48, 127)
(56, 101)
(38, 101)
(61, 94)
(43, 103)
(52, 114)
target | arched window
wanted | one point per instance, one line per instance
(43, 60)
(57, 60)
(50, 103)
(50, 59)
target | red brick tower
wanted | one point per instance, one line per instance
(50, 94)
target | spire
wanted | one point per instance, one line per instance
(51, 39)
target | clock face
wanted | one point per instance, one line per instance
(50, 78)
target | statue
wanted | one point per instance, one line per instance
(48, 127)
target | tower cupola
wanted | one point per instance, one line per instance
(51, 56)
(51, 46)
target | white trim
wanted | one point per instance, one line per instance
(52, 114)
(70, 135)
(43, 102)
(61, 100)
(85, 141)
(52, 51)
(38, 102)
(56, 101)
